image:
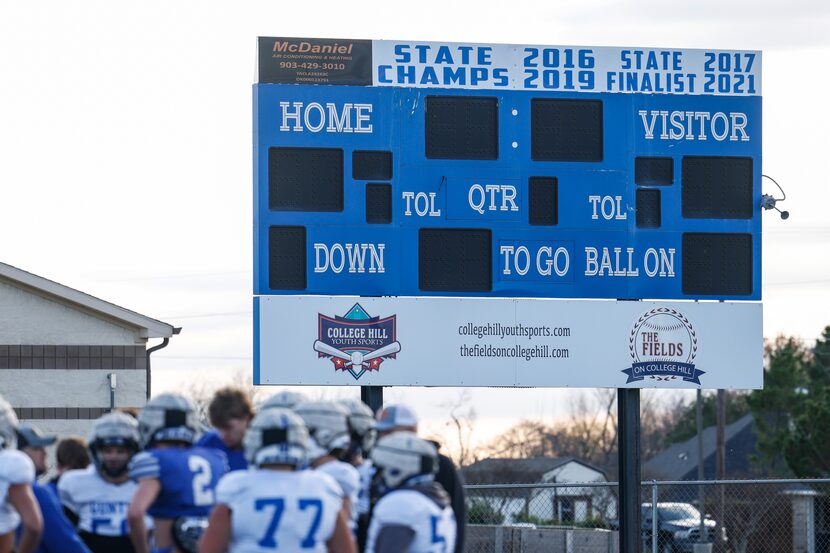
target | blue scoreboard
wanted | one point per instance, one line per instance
(395, 168)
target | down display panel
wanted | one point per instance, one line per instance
(405, 188)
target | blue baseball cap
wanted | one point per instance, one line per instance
(29, 436)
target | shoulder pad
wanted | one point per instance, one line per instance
(230, 486)
(144, 465)
(16, 467)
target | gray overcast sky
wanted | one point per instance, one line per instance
(125, 132)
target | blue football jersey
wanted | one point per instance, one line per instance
(188, 479)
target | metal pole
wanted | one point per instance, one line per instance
(628, 436)
(720, 469)
(372, 396)
(700, 460)
(654, 516)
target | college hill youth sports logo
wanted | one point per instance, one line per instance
(663, 345)
(356, 342)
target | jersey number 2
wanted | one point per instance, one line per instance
(202, 491)
(269, 540)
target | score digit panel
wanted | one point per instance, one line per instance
(445, 188)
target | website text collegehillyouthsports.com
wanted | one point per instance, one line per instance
(498, 330)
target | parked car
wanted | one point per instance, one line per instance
(678, 527)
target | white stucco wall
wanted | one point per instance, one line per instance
(29, 318)
(72, 388)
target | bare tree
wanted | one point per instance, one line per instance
(528, 438)
(462, 420)
(590, 431)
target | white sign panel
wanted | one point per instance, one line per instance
(566, 68)
(318, 340)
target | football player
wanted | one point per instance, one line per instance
(413, 514)
(17, 502)
(96, 498)
(276, 505)
(230, 413)
(176, 481)
(59, 534)
(328, 428)
(363, 435)
(397, 417)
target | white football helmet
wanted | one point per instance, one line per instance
(403, 458)
(285, 399)
(113, 429)
(167, 417)
(328, 427)
(277, 436)
(8, 425)
(361, 425)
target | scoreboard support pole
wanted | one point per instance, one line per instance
(372, 396)
(628, 446)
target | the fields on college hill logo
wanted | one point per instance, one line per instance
(356, 342)
(663, 345)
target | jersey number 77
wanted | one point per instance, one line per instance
(269, 540)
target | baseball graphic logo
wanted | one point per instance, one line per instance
(357, 342)
(663, 344)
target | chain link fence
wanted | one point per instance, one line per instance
(727, 516)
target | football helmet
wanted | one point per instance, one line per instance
(361, 425)
(328, 426)
(276, 436)
(113, 429)
(285, 399)
(8, 425)
(167, 417)
(403, 458)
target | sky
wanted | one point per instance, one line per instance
(125, 152)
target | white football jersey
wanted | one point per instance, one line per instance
(434, 526)
(349, 479)
(366, 470)
(291, 512)
(15, 468)
(101, 506)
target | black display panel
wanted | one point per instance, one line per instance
(654, 171)
(305, 179)
(717, 264)
(566, 130)
(454, 260)
(648, 208)
(462, 127)
(371, 165)
(286, 258)
(378, 203)
(544, 201)
(717, 187)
